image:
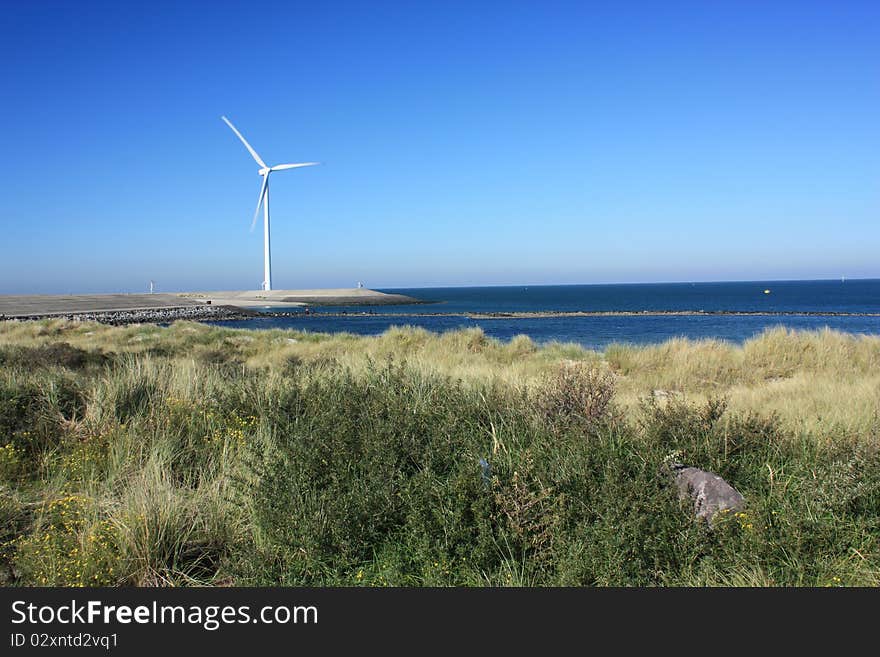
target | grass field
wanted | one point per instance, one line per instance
(195, 455)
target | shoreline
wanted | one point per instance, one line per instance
(664, 313)
(551, 314)
(300, 298)
(163, 307)
(146, 315)
(204, 312)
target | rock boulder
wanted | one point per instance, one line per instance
(709, 492)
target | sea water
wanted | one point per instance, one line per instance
(448, 309)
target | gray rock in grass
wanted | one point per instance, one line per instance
(709, 492)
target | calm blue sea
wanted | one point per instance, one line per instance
(850, 296)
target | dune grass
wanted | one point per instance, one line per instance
(197, 455)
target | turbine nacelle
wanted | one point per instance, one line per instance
(281, 167)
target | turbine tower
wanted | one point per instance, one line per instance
(263, 200)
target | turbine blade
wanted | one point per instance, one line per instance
(282, 167)
(244, 141)
(260, 200)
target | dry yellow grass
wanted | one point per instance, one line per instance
(824, 383)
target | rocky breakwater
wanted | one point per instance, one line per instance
(150, 315)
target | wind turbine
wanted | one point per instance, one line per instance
(263, 200)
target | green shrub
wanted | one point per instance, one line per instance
(34, 417)
(11, 462)
(54, 354)
(578, 393)
(69, 546)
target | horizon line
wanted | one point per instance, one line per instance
(482, 285)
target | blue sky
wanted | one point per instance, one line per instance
(462, 143)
